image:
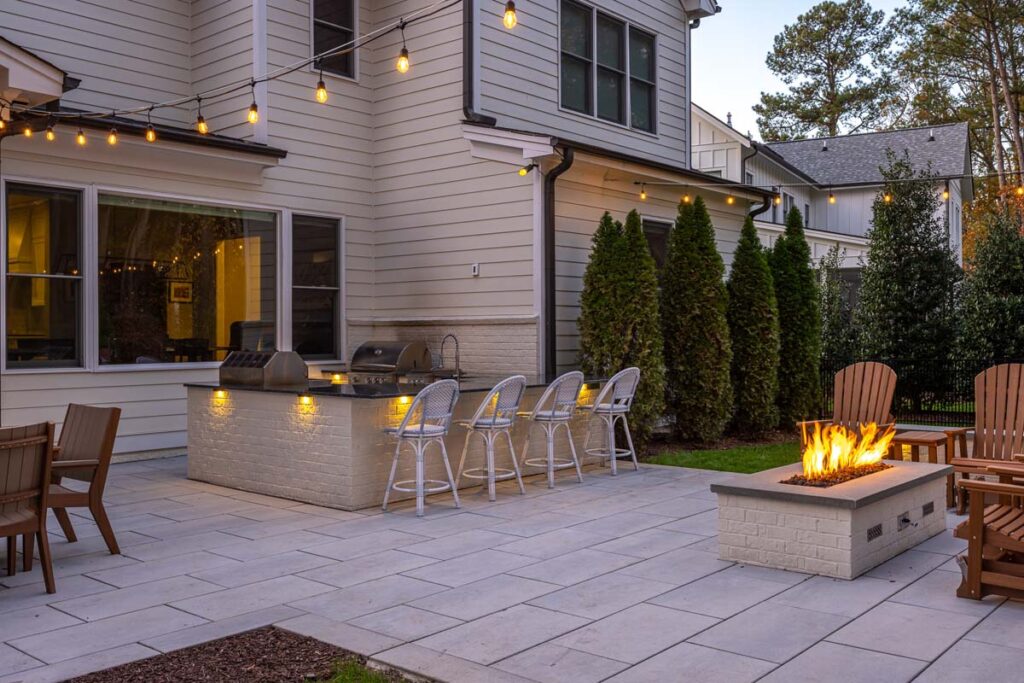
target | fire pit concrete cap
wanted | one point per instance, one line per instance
(852, 494)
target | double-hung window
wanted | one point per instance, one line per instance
(608, 67)
(316, 288)
(44, 279)
(334, 25)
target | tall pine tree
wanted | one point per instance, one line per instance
(754, 331)
(698, 354)
(838, 335)
(600, 345)
(799, 324)
(906, 301)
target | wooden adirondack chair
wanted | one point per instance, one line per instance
(994, 564)
(25, 457)
(862, 394)
(998, 425)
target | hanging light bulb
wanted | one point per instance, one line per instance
(525, 170)
(201, 126)
(27, 132)
(253, 116)
(686, 199)
(50, 135)
(1020, 190)
(887, 197)
(510, 19)
(321, 89)
(3, 123)
(150, 131)
(643, 192)
(403, 57)
(80, 138)
(831, 198)
(112, 137)
(945, 192)
(778, 199)
(730, 200)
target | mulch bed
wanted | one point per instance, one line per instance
(838, 477)
(265, 655)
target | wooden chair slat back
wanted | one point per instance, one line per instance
(88, 434)
(25, 454)
(863, 393)
(999, 412)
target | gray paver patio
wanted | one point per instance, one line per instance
(613, 579)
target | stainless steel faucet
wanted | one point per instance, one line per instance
(455, 339)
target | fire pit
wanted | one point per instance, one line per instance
(840, 512)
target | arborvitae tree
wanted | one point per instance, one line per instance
(600, 345)
(992, 310)
(754, 332)
(905, 309)
(640, 336)
(799, 324)
(698, 354)
(838, 335)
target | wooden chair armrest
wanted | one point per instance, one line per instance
(75, 464)
(1007, 470)
(956, 431)
(991, 487)
(1018, 457)
(56, 450)
(810, 423)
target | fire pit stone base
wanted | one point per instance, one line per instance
(841, 531)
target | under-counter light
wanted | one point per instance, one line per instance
(306, 399)
(220, 394)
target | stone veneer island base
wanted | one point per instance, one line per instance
(840, 531)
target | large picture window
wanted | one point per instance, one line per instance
(333, 25)
(316, 289)
(608, 67)
(183, 282)
(44, 280)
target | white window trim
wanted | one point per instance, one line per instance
(593, 72)
(354, 78)
(90, 281)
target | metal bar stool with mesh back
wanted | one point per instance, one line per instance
(555, 409)
(426, 422)
(612, 405)
(494, 417)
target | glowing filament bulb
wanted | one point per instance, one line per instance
(150, 134)
(112, 137)
(80, 138)
(201, 126)
(831, 198)
(27, 132)
(50, 135)
(887, 197)
(254, 113)
(730, 200)
(778, 200)
(510, 19)
(321, 92)
(403, 61)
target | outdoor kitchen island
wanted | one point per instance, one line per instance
(324, 444)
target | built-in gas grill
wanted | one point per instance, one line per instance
(264, 369)
(391, 362)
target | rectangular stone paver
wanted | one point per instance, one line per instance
(32, 620)
(364, 598)
(78, 666)
(103, 605)
(721, 595)
(469, 568)
(252, 571)
(1004, 626)
(366, 568)
(689, 662)
(905, 630)
(502, 634)
(602, 596)
(251, 597)
(347, 636)
(837, 596)
(574, 567)
(970, 661)
(221, 628)
(12, 660)
(828, 661)
(443, 667)
(368, 544)
(549, 663)
(405, 623)
(474, 600)
(190, 563)
(457, 545)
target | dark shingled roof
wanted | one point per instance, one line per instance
(855, 159)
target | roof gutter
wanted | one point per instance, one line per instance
(469, 67)
(766, 202)
(550, 309)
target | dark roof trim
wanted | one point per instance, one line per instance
(865, 133)
(777, 158)
(164, 132)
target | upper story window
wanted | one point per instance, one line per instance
(334, 24)
(607, 68)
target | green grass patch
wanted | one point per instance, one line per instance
(354, 672)
(745, 459)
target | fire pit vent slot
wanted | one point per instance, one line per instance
(927, 508)
(874, 532)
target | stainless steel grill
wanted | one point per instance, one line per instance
(390, 362)
(264, 369)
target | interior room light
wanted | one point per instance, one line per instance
(510, 19)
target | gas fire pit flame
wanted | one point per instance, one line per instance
(834, 453)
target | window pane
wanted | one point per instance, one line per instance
(42, 230)
(314, 251)
(43, 321)
(641, 55)
(657, 240)
(183, 282)
(337, 12)
(610, 42)
(328, 37)
(576, 29)
(642, 104)
(314, 312)
(610, 95)
(575, 84)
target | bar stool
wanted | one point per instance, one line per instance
(426, 422)
(555, 409)
(495, 416)
(613, 404)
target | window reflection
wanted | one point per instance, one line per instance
(315, 286)
(183, 282)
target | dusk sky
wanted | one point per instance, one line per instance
(729, 52)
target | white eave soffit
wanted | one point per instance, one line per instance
(26, 78)
(506, 146)
(697, 9)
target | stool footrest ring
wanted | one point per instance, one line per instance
(500, 473)
(559, 463)
(429, 486)
(603, 452)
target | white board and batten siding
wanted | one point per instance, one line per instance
(519, 77)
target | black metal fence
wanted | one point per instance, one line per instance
(937, 393)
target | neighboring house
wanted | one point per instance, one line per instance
(393, 210)
(804, 173)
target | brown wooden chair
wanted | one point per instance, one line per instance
(26, 454)
(862, 393)
(83, 453)
(998, 425)
(994, 564)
